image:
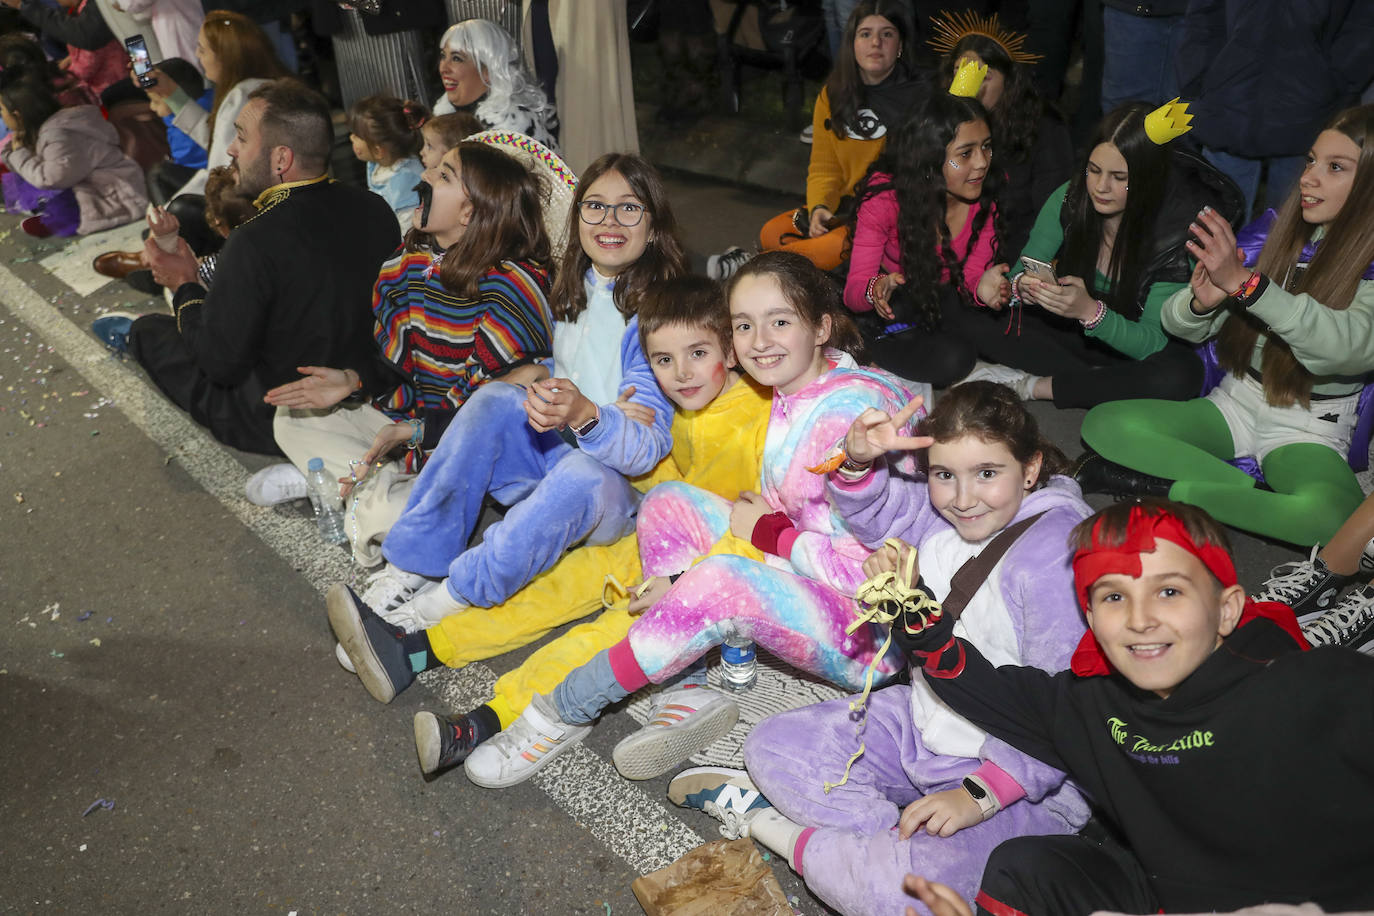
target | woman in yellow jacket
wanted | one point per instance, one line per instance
(869, 92)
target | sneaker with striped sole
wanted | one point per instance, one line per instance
(530, 744)
(685, 720)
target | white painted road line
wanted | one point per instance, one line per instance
(638, 828)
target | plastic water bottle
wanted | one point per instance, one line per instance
(325, 500)
(738, 663)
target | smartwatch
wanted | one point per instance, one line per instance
(982, 796)
(586, 428)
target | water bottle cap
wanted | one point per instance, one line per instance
(315, 464)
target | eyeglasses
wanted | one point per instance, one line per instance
(594, 212)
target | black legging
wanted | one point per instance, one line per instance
(1086, 372)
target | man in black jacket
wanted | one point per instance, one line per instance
(293, 284)
(1227, 766)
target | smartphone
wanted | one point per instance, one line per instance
(138, 55)
(1040, 270)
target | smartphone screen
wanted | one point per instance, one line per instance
(138, 54)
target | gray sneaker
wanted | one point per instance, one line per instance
(1306, 586)
(1350, 623)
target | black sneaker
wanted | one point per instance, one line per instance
(443, 741)
(1350, 623)
(375, 647)
(1306, 586)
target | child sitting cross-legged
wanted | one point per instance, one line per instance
(928, 791)
(1230, 766)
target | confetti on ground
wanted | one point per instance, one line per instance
(99, 803)
(96, 642)
(85, 616)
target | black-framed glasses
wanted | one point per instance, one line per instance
(627, 214)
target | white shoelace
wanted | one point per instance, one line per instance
(387, 590)
(1340, 623)
(1290, 581)
(733, 824)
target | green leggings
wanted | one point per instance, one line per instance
(1314, 490)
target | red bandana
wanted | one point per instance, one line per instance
(1142, 531)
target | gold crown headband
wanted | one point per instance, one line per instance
(952, 28)
(1168, 121)
(968, 79)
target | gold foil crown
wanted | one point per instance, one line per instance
(1168, 121)
(968, 79)
(951, 28)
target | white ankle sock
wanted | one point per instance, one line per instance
(433, 603)
(1026, 387)
(775, 832)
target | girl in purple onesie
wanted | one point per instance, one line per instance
(795, 599)
(925, 774)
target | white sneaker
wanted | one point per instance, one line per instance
(426, 606)
(729, 796)
(685, 720)
(1018, 380)
(808, 134)
(274, 485)
(531, 742)
(342, 658)
(389, 588)
(723, 266)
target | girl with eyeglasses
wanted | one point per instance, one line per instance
(554, 443)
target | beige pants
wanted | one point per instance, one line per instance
(340, 435)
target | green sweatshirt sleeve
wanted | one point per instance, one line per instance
(1143, 337)
(1326, 341)
(1177, 317)
(1047, 234)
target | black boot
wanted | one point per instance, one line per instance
(1096, 474)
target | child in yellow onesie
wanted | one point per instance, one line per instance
(718, 433)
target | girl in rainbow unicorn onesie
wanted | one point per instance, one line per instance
(791, 334)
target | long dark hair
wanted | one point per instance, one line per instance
(663, 259)
(29, 96)
(995, 414)
(845, 88)
(912, 166)
(1016, 116)
(1331, 277)
(507, 220)
(810, 291)
(1147, 170)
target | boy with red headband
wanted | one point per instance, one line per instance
(1228, 766)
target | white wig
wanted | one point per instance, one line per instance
(493, 51)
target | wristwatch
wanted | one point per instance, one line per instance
(586, 428)
(982, 796)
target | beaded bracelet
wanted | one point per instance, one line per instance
(1096, 318)
(418, 433)
(1016, 288)
(868, 292)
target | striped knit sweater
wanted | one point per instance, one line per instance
(445, 346)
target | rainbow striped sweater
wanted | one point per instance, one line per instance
(443, 346)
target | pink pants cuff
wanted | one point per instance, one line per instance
(625, 666)
(799, 847)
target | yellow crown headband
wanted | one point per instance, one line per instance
(1168, 121)
(968, 79)
(952, 28)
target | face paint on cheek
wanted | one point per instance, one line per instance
(954, 165)
(426, 194)
(718, 374)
